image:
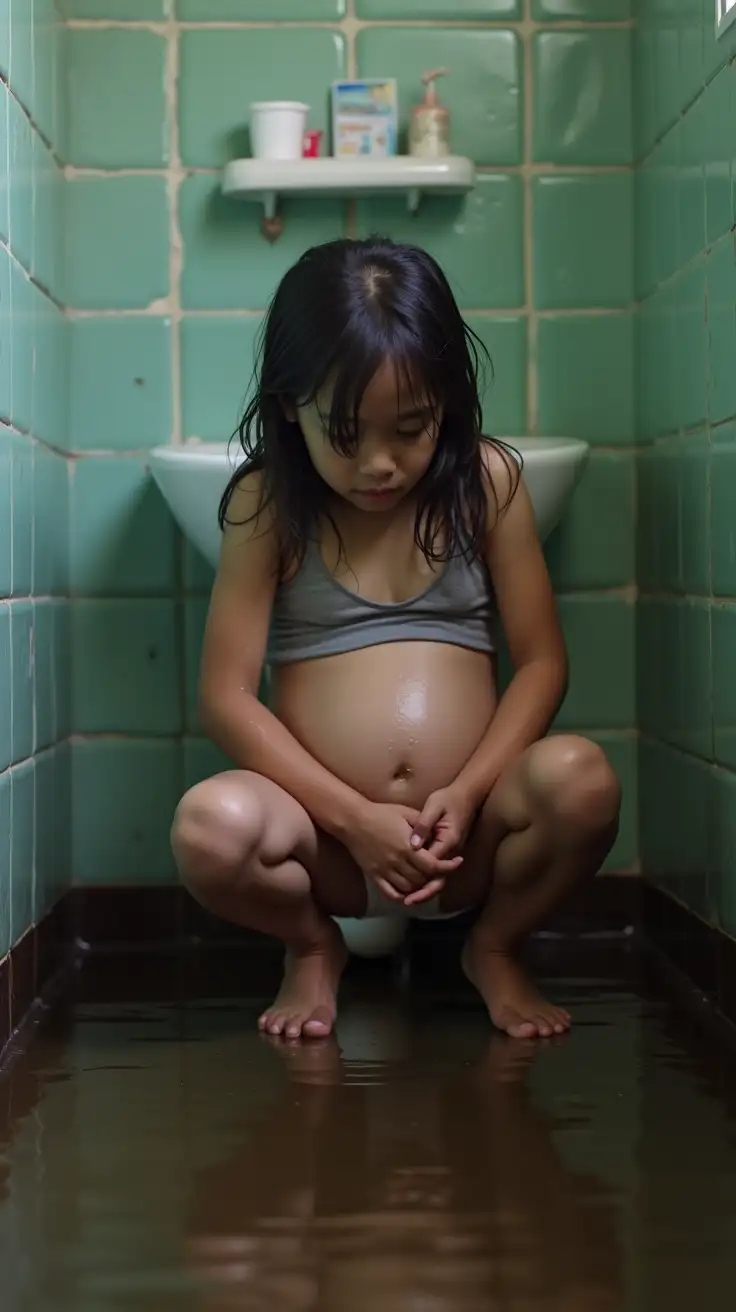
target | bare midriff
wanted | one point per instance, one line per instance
(396, 721)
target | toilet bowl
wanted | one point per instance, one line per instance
(192, 478)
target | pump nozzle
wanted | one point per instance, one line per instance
(428, 78)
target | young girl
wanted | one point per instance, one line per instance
(375, 543)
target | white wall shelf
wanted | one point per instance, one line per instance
(266, 182)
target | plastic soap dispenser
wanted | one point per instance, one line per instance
(429, 131)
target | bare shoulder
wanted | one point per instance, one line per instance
(250, 524)
(502, 478)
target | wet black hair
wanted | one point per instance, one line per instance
(337, 315)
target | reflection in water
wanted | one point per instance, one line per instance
(439, 1191)
(166, 1158)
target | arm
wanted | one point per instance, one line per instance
(232, 660)
(529, 617)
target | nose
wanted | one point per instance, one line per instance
(376, 462)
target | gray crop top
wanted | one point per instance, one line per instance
(314, 615)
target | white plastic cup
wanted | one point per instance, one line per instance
(277, 129)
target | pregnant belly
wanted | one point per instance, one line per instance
(395, 721)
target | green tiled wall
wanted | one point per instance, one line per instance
(167, 283)
(34, 614)
(685, 115)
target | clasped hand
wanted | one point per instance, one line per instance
(407, 853)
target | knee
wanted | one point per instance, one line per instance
(217, 831)
(574, 783)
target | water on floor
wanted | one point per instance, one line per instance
(161, 1155)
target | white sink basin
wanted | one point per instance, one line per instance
(192, 479)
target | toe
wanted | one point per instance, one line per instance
(544, 1026)
(293, 1028)
(319, 1024)
(275, 1024)
(519, 1027)
(560, 1020)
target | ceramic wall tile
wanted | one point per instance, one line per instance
(125, 667)
(22, 494)
(20, 170)
(6, 523)
(723, 622)
(5, 37)
(116, 242)
(51, 358)
(719, 125)
(106, 126)
(273, 63)
(227, 264)
(217, 364)
(723, 840)
(44, 674)
(583, 241)
(6, 689)
(6, 934)
(49, 86)
(485, 101)
(583, 11)
(582, 97)
(425, 10)
(586, 381)
(33, 475)
(676, 809)
(4, 164)
(124, 793)
(6, 336)
(24, 298)
(22, 653)
(21, 53)
(120, 383)
(273, 11)
(22, 868)
(600, 634)
(50, 524)
(721, 330)
(485, 273)
(118, 10)
(504, 375)
(47, 219)
(593, 547)
(722, 502)
(123, 538)
(195, 616)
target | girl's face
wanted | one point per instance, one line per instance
(397, 435)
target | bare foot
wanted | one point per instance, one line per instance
(513, 1002)
(306, 1004)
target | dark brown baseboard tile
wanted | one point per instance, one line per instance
(30, 966)
(703, 954)
(127, 920)
(105, 917)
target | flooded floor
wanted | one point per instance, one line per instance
(158, 1154)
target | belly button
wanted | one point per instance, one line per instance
(402, 772)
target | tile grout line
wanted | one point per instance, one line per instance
(159, 26)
